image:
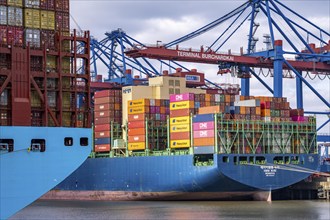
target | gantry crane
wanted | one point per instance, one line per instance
(310, 60)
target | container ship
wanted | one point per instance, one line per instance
(45, 119)
(171, 139)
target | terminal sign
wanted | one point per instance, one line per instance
(210, 56)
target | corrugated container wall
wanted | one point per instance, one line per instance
(41, 24)
(3, 15)
(32, 3)
(15, 16)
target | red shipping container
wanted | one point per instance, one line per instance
(104, 100)
(136, 131)
(3, 35)
(136, 138)
(102, 127)
(102, 148)
(62, 21)
(204, 142)
(103, 107)
(180, 135)
(107, 113)
(47, 39)
(104, 93)
(15, 36)
(138, 117)
(136, 124)
(62, 5)
(47, 4)
(102, 134)
(181, 112)
(103, 120)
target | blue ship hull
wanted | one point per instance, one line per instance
(176, 177)
(26, 173)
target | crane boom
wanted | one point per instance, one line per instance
(210, 57)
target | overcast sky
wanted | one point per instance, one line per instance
(152, 20)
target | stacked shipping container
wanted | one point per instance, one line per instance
(33, 22)
(107, 110)
(35, 33)
(182, 106)
(147, 124)
(203, 133)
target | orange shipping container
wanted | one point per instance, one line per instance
(180, 135)
(265, 112)
(136, 138)
(204, 142)
(136, 131)
(181, 112)
(137, 146)
(137, 117)
(102, 134)
(209, 110)
(136, 124)
(117, 106)
(102, 148)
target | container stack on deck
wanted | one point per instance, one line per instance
(182, 106)
(203, 133)
(147, 124)
(107, 110)
(37, 35)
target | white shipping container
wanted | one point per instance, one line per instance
(32, 37)
(3, 15)
(15, 16)
(32, 3)
(248, 103)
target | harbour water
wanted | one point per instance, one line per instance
(313, 209)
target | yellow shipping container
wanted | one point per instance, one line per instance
(47, 20)
(137, 146)
(32, 18)
(182, 105)
(18, 3)
(139, 102)
(180, 144)
(180, 120)
(180, 128)
(138, 110)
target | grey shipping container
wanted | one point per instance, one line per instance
(3, 15)
(32, 3)
(32, 37)
(4, 98)
(15, 16)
